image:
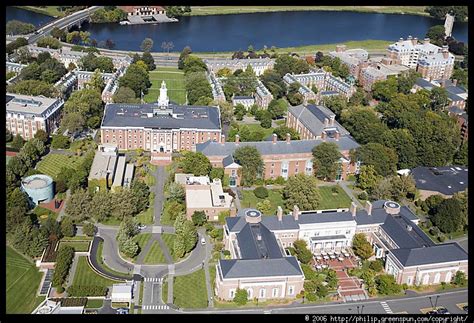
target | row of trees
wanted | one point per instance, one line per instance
(84, 108)
(45, 68)
(17, 27)
(91, 62)
(136, 78)
(108, 14)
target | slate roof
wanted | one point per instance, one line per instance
(396, 228)
(312, 117)
(253, 248)
(135, 115)
(445, 180)
(435, 254)
(211, 148)
(228, 160)
(247, 268)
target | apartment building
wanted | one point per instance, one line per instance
(353, 58)
(457, 95)
(259, 65)
(161, 127)
(26, 114)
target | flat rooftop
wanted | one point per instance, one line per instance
(446, 180)
(27, 104)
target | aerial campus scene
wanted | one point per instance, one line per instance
(237, 160)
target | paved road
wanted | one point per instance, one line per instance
(110, 250)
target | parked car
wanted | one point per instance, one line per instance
(442, 310)
(141, 226)
(432, 312)
(464, 308)
(122, 310)
(203, 241)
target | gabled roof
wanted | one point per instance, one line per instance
(312, 117)
(447, 252)
(445, 180)
(257, 242)
(249, 268)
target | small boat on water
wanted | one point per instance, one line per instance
(125, 22)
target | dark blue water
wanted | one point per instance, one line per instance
(31, 17)
(280, 29)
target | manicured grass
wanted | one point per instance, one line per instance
(142, 240)
(94, 303)
(174, 79)
(280, 122)
(168, 239)
(79, 246)
(155, 255)
(329, 200)
(47, 10)
(42, 214)
(87, 277)
(249, 200)
(221, 10)
(212, 274)
(76, 238)
(111, 221)
(164, 291)
(190, 291)
(257, 127)
(22, 283)
(52, 163)
(100, 260)
(147, 216)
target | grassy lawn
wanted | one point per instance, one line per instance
(155, 255)
(52, 163)
(47, 10)
(164, 291)
(42, 214)
(250, 200)
(76, 238)
(257, 127)
(212, 274)
(280, 122)
(94, 303)
(174, 79)
(79, 246)
(147, 216)
(86, 276)
(22, 283)
(142, 240)
(189, 291)
(221, 10)
(168, 238)
(111, 221)
(100, 260)
(356, 191)
(330, 200)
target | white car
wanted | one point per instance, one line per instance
(203, 241)
(142, 227)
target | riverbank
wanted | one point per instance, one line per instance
(48, 10)
(225, 10)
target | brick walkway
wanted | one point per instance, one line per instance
(50, 206)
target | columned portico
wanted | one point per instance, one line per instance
(328, 243)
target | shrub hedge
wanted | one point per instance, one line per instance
(84, 290)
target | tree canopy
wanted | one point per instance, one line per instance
(302, 190)
(326, 156)
(252, 164)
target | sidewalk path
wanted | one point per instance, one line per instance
(348, 191)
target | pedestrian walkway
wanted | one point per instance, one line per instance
(155, 307)
(153, 279)
(349, 192)
(386, 307)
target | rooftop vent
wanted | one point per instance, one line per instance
(392, 207)
(253, 216)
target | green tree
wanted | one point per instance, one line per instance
(241, 297)
(42, 136)
(459, 279)
(261, 192)
(402, 187)
(49, 42)
(386, 285)
(436, 35)
(361, 246)
(149, 61)
(129, 247)
(439, 98)
(147, 45)
(277, 108)
(58, 33)
(82, 108)
(385, 90)
(197, 86)
(449, 216)
(252, 164)
(382, 158)
(274, 83)
(196, 163)
(182, 57)
(326, 156)
(17, 27)
(60, 142)
(179, 246)
(67, 227)
(33, 87)
(79, 205)
(407, 80)
(125, 95)
(303, 254)
(199, 218)
(137, 79)
(89, 229)
(18, 142)
(217, 173)
(96, 81)
(402, 141)
(363, 124)
(265, 207)
(281, 132)
(301, 190)
(367, 178)
(293, 95)
(336, 104)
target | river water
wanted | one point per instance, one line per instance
(280, 29)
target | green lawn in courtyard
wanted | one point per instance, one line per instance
(42, 214)
(22, 283)
(94, 303)
(168, 238)
(164, 291)
(257, 127)
(142, 240)
(76, 238)
(190, 291)
(249, 200)
(147, 216)
(51, 164)
(212, 274)
(174, 79)
(155, 255)
(330, 200)
(100, 260)
(86, 276)
(79, 246)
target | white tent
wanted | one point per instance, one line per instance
(122, 293)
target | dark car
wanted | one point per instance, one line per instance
(122, 310)
(464, 308)
(442, 310)
(432, 312)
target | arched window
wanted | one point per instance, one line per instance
(448, 277)
(250, 293)
(436, 278)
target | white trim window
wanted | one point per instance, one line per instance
(262, 293)
(250, 293)
(232, 293)
(291, 290)
(275, 292)
(409, 280)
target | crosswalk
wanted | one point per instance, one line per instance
(153, 279)
(155, 307)
(386, 307)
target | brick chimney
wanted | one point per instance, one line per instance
(296, 212)
(237, 139)
(222, 139)
(274, 138)
(323, 135)
(353, 209)
(326, 122)
(426, 41)
(368, 207)
(455, 82)
(279, 213)
(337, 136)
(288, 138)
(445, 52)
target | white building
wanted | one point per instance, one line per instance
(122, 293)
(259, 65)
